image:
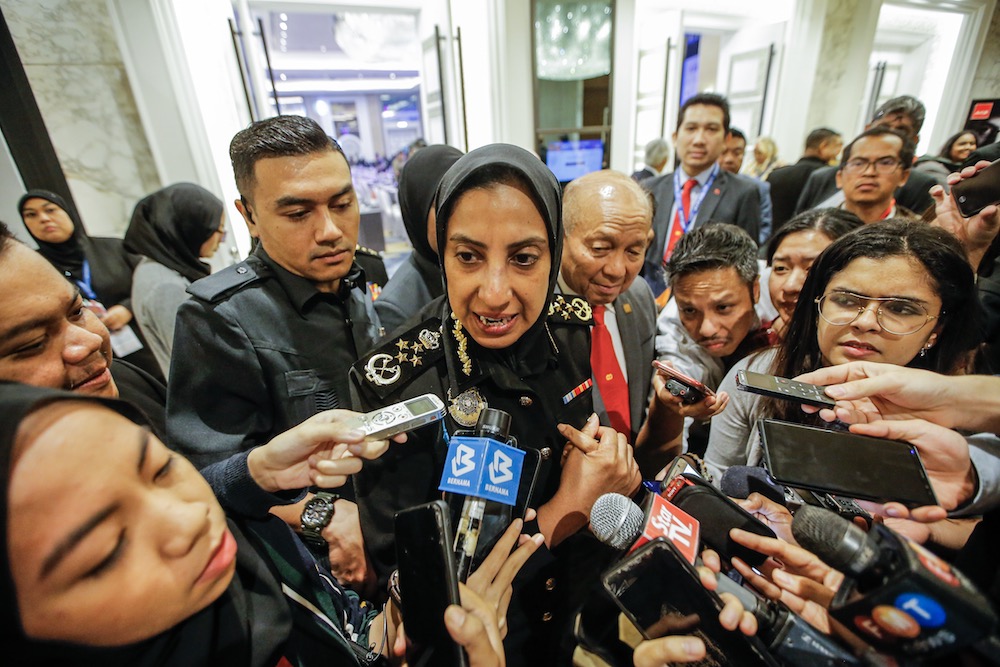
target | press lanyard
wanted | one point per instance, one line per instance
(84, 285)
(685, 223)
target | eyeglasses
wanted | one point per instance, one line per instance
(899, 317)
(883, 165)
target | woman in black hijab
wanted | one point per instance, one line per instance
(500, 338)
(100, 267)
(142, 566)
(173, 229)
(417, 281)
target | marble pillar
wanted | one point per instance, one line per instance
(986, 81)
(75, 69)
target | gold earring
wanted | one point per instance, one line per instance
(463, 345)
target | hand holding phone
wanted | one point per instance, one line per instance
(684, 387)
(974, 193)
(428, 584)
(783, 388)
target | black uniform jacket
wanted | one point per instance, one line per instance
(258, 350)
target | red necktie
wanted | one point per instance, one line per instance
(676, 229)
(607, 372)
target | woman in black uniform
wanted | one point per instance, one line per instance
(500, 338)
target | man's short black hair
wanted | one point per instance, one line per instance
(709, 100)
(905, 153)
(818, 136)
(717, 245)
(737, 134)
(280, 136)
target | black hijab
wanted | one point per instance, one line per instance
(67, 256)
(247, 625)
(484, 166)
(418, 184)
(170, 226)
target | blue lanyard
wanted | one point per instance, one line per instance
(84, 285)
(685, 223)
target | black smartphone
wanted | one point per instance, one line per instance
(844, 464)
(717, 514)
(974, 194)
(661, 594)
(783, 388)
(428, 583)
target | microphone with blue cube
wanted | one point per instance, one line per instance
(482, 467)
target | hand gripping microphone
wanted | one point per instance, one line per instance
(904, 599)
(620, 523)
(482, 468)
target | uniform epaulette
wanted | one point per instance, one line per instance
(390, 366)
(570, 309)
(362, 250)
(223, 283)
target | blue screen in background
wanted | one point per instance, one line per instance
(572, 159)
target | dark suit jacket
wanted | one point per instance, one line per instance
(635, 313)
(786, 186)
(822, 184)
(732, 200)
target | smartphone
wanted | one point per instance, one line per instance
(661, 594)
(717, 514)
(844, 464)
(790, 390)
(974, 194)
(687, 388)
(428, 583)
(400, 417)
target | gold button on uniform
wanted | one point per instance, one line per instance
(547, 616)
(526, 401)
(550, 584)
(545, 453)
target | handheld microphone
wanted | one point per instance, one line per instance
(787, 635)
(620, 523)
(904, 599)
(481, 468)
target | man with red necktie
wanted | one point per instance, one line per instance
(698, 191)
(607, 218)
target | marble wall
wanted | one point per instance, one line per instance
(72, 61)
(986, 82)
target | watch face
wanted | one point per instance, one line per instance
(317, 513)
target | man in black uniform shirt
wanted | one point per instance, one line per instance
(267, 343)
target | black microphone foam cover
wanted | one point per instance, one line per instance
(616, 521)
(493, 423)
(741, 481)
(836, 540)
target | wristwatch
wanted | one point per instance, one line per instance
(316, 516)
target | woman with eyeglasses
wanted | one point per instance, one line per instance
(173, 229)
(894, 292)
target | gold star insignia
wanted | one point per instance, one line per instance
(401, 357)
(402, 344)
(416, 361)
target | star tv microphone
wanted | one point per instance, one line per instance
(621, 524)
(904, 599)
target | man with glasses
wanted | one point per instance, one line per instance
(875, 164)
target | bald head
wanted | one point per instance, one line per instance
(608, 220)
